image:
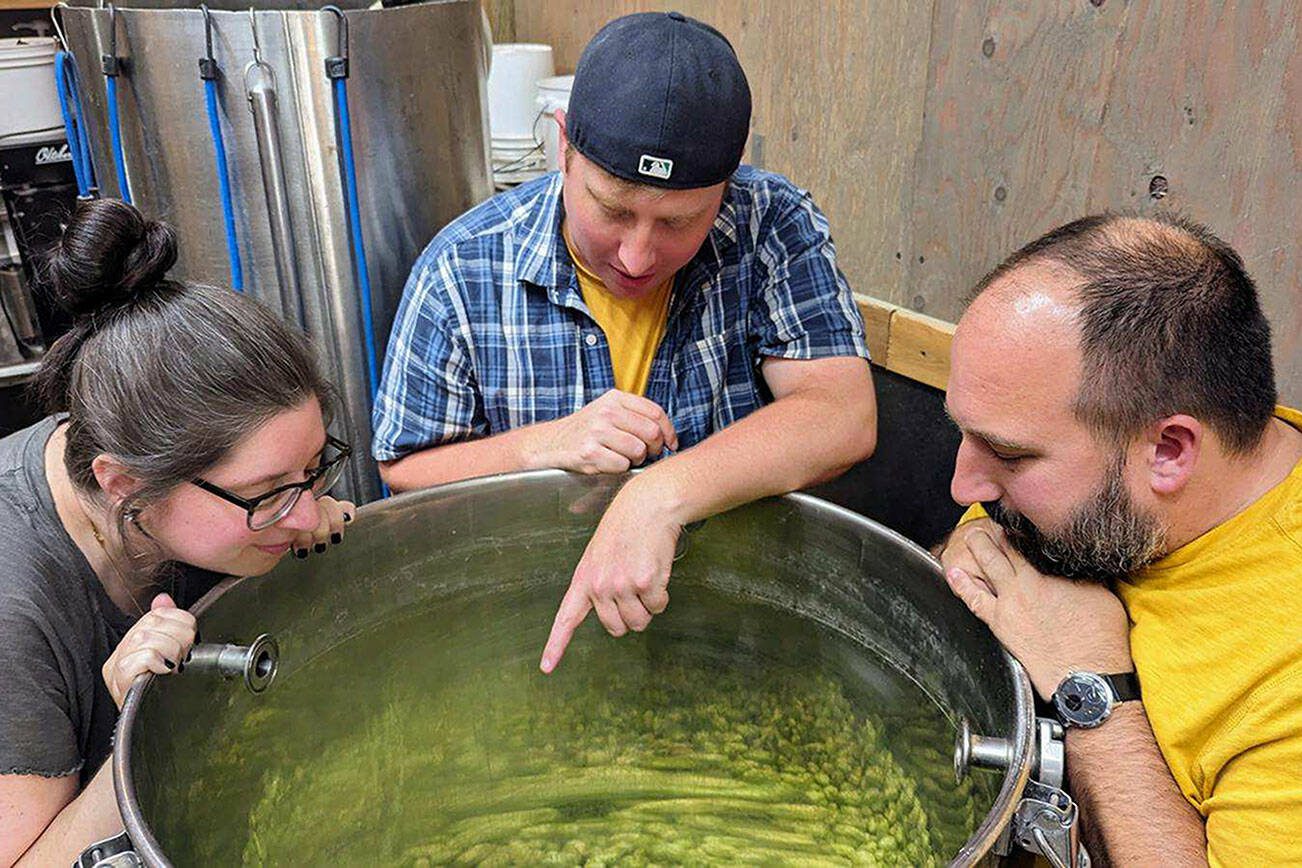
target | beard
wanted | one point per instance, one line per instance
(1105, 538)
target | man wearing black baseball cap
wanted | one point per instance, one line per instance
(654, 301)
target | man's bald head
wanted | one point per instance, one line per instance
(1164, 317)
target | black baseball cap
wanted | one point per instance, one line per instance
(661, 99)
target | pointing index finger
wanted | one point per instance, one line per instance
(574, 608)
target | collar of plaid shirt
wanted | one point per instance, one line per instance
(548, 264)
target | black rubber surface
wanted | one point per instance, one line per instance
(905, 485)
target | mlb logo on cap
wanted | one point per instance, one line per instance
(656, 167)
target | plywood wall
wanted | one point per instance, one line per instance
(939, 135)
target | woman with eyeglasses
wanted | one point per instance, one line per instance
(186, 426)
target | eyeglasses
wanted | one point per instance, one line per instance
(269, 508)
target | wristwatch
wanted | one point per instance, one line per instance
(1086, 699)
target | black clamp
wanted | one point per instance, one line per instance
(208, 70)
(110, 63)
(336, 66)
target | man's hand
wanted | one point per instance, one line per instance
(954, 551)
(617, 431)
(1053, 626)
(623, 574)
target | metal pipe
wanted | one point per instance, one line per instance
(19, 312)
(1048, 764)
(979, 751)
(256, 664)
(111, 65)
(991, 753)
(260, 88)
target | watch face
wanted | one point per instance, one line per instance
(1083, 699)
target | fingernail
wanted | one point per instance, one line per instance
(188, 655)
(319, 548)
(336, 538)
(300, 553)
(168, 663)
(180, 667)
(348, 516)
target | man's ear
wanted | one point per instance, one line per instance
(564, 139)
(113, 478)
(1174, 447)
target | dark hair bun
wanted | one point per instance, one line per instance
(108, 254)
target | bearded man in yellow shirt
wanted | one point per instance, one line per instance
(1137, 506)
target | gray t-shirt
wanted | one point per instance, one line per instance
(57, 626)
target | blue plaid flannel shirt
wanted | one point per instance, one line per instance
(492, 332)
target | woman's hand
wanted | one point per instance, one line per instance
(334, 514)
(156, 643)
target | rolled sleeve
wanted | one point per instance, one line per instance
(806, 309)
(428, 394)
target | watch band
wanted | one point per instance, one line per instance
(1124, 686)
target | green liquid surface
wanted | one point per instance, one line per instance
(728, 733)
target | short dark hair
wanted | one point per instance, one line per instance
(1170, 323)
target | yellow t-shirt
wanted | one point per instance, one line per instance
(1216, 635)
(634, 327)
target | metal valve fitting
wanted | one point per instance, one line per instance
(256, 664)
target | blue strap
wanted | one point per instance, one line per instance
(359, 246)
(224, 181)
(65, 79)
(355, 230)
(115, 134)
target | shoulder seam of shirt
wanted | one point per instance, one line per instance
(1287, 533)
(749, 185)
(495, 217)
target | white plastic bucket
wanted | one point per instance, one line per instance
(516, 153)
(29, 100)
(553, 94)
(513, 142)
(516, 67)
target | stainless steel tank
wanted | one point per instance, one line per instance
(861, 596)
(416, 90)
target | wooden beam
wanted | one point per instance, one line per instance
(910, 344)
(877, 325)
(919, 348)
